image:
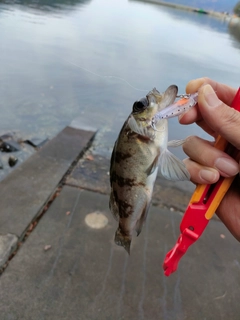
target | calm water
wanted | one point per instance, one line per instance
(54, 56)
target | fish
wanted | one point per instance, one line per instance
(138, 152)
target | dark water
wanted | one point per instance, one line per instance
(54, 56)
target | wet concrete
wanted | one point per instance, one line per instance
(26, 191)
(84, 275)
(69, 267)
(92, 173)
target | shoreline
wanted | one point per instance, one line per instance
(231, 18)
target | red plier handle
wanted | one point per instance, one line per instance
(201, 208)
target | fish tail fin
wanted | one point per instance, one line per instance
(123, 240)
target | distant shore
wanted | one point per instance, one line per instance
(222, 15)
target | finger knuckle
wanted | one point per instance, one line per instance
(230, 120)
(189, 141)
(206, 80)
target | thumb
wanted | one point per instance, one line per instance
(219, 116)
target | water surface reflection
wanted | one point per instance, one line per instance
(45, 6)
(234, 31)
(90, 60)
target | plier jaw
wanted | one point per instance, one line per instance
(185, 240)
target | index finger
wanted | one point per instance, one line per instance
(224, 92)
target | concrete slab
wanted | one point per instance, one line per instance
(92, 173)
(84, 275)
(8, 243)
(26, 190)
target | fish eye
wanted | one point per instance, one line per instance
(140, 105)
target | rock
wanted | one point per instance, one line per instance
(12, 161)
(9, 146)
(6, 136)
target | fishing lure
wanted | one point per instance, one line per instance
(186, 102)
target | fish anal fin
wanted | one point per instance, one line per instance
(113, 206)
(112, 161)
(142, 219)
(172, 168)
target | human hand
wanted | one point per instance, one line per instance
(205, 162)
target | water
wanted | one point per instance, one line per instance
(47, 47)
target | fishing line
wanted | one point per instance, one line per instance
(105, 76)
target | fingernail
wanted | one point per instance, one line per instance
(210, 96)
(208, 175)
(227, 166)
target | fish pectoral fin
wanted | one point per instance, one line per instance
(153, 166)
(172, 168)
(133, 125)
(176, 143)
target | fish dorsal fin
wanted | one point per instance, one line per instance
(172, 168)
(143, 131)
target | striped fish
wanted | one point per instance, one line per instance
(138, 153)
